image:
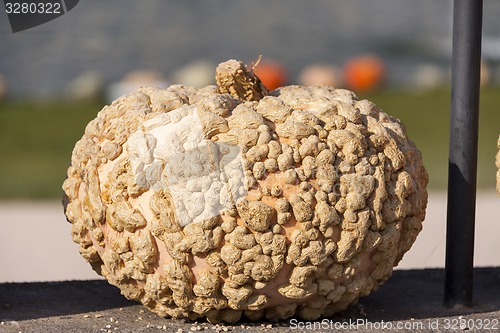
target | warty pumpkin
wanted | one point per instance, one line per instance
(231, 200)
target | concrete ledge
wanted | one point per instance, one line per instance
(410, 301)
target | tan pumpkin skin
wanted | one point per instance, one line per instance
(294, 202)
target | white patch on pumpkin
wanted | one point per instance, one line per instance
(172, 152)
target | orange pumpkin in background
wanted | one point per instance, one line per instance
(364, 73)
(271, 72)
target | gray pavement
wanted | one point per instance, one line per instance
(411, 301)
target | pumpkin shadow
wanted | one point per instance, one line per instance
(408, 295)
(418, 295)
(25, 301)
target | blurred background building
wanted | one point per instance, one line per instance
(114, 37)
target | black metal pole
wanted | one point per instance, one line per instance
(467, 26)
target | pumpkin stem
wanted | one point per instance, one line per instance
(257, 62)
(233, 78)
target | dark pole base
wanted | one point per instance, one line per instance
(467, 25)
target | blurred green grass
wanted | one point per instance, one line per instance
(36, 138)
(36, 141)
(426, 116)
